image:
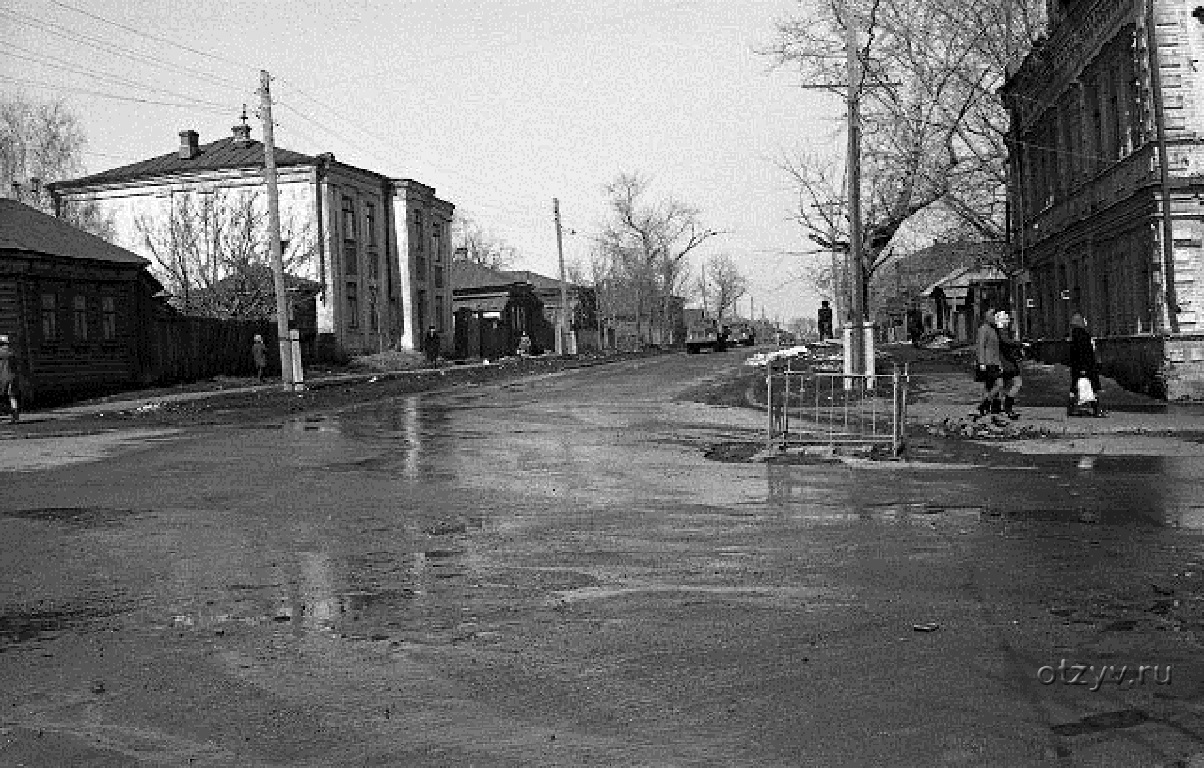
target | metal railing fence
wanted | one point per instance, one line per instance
(815, 407)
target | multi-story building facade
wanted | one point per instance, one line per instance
(379, 247)
(1106, 184)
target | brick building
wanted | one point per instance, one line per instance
(378, 247)
(1095, 224)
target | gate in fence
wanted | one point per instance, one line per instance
(810, 407)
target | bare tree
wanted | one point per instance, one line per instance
(41, 143)
(647, 245)
(933, 127)
(211, 253)
(725, 283)
(475, 244)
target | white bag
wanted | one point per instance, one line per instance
(1084, 391)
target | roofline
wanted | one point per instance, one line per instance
(158, 180)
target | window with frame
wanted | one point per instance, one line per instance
(436, 242)
(419, 238)
(373, 265)
(370, 222)
(438, 275)
(348, 219)
(439, 313)
(80, 318)
(108, 318)
(373, 309)
(353, 305)
(50, 317)
(351, 262)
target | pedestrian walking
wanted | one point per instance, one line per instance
(524, 345)
(259, 354)
(1011, 352)
(8, 378)
(1083, 365)
(988, 363)
(825, 320)
(430, 344)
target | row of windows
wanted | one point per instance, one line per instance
(83, 315)
(1098, 121)
(353, 307)
(351, 231)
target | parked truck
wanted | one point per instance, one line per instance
(705, 333)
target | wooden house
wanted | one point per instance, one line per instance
(74, 306)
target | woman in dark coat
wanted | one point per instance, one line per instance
(8, 377)
(1082, 363)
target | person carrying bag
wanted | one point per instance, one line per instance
(1084, 370)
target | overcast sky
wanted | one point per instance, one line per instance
(500, 105)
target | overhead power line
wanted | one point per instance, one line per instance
(117, 97)
(99, 44)
(59, 64)
(157, 38)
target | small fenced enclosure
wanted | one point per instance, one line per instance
(809, 407)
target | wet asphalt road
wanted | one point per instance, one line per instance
(550, 572)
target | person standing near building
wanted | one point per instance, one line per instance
(1011, 352)
(988, 363)
(1082, 364)
(259, 355)
(825, 320)
(430, 344)
(8, 377)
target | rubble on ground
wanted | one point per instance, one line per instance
(991, 427)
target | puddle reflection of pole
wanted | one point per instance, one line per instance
(412, 429)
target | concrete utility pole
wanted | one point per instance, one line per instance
(855, 352)
(269, 171)
(562, 346)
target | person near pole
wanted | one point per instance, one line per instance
(1083, 365)
(259, 355)
(825, 320)
(8, 378)
(430, 344)
(1011, 352)
(988, 363)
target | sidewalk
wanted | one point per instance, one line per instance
(950, 398)
(149, 401)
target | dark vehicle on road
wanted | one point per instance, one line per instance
(706, 334)
(744, 335)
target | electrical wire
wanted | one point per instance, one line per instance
(98, 44)
(98, 94)
(59, 64)
(148, 36)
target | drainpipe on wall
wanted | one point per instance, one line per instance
(1168, 230)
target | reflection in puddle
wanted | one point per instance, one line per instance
(1087, 489)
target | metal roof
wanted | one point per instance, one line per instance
(218, 155)
(24, 228)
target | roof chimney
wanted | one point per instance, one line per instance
(189, 142)
(242, 131)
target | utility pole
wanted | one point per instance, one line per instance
(562, 325)
(704, 290)
(269, 171)
(857, 299)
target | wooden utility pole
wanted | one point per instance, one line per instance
(857, 299)
(269, 171)
(562, 346)
(703, 283)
